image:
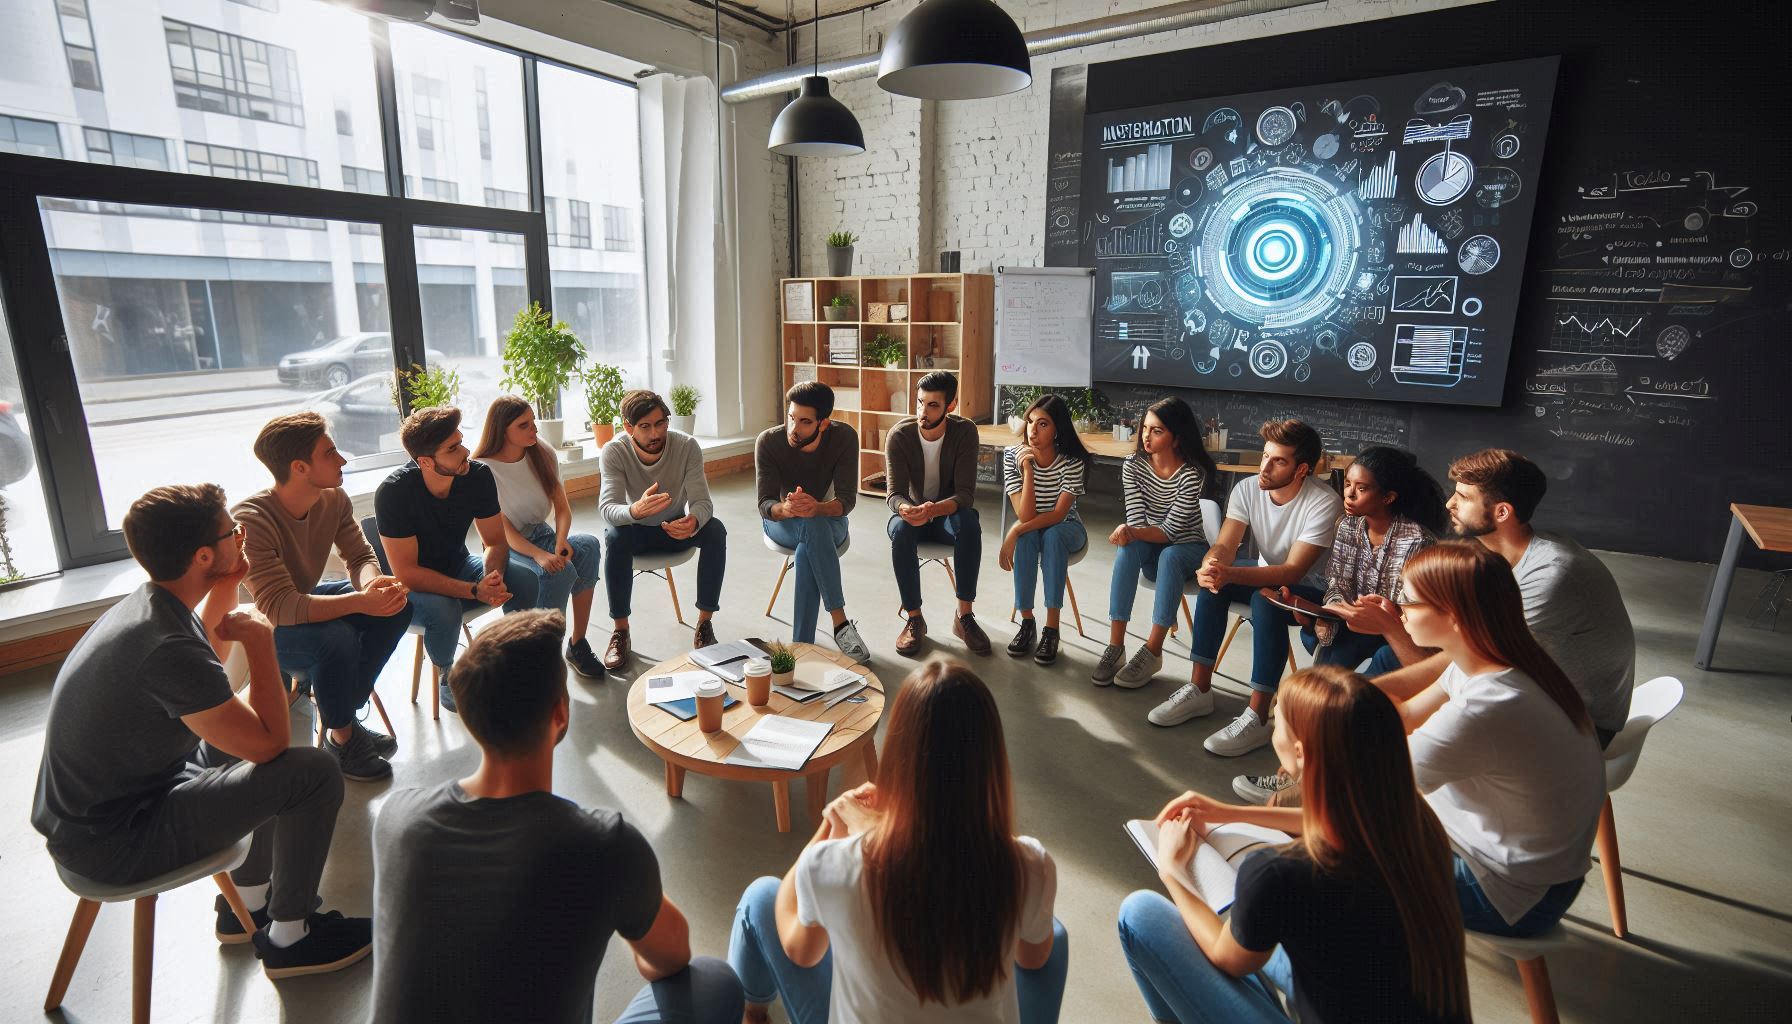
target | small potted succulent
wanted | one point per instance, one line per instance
(841, 308)
(684, 408)
(885, 350)
(840, 253)
(603, 400)
(783, 661)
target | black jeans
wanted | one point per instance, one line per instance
(960, 529)
(340, 657)
(622, 543)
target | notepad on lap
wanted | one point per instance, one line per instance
(779, 742)
(1212, 874)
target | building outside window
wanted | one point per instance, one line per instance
(230, 74)
(619, 228)
(429, 111)
(77, 44)
(29, 136)
(482, 100)
(125, 149)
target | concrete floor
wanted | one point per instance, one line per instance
(1704, 826)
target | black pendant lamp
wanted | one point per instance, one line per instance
(955, 50)
(816, 124)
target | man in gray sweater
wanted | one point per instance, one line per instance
(932, 461)
(807, 477)
(655, 497)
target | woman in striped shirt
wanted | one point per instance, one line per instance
(1042, 479)
(1162, 537)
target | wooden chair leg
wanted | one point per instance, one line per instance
(78, 930)
(1292, 666)
(143, 958)
(1537, 994)
(1613, 870)
(417, 669)
(467, 631)
(317, 719)
(435, 693)
(380, 706)
(947, 562)
(1075, 612)
(777, 587)
(235, 899)
(781, 802)
(1230, 633)
(1185, 614)
(816, 785)
(676, 610)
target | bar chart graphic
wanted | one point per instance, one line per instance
(1141, 172)
(1380, 182)
(1431, 356)
(1417, 236)
(1145, 238)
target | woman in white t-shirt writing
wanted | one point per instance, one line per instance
(552, 563)
(914, 903)
(1502, 746)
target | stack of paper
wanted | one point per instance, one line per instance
(779, 742)
(677, 693)
(1212, 873)
(727, 660)
(818, 677)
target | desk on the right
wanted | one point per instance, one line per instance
(1771, 530)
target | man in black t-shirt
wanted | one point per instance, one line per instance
(497, 897)
(424, 510)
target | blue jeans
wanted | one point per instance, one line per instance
(960, 529)
(1347, 649)
(706, 992)
(341, 657)
(1479, 915)
(1046, 551)
(816, 541)
(531, 586)
(440, 615)
(1179, 983)
(1269, 630)
(1168, 566)
(623, 543)
(766, 973)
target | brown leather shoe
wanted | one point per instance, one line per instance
(705, 635)
(616, 655)
(975, 640)
(908, 642)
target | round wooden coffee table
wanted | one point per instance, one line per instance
(684, 747)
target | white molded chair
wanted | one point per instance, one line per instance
(1069, 589)
(790, 562)
(1649, 703)
(370, 529)
(143, 894)
(1528, 954)
(660, 563)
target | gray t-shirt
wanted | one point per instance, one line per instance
(489, 910)
(115, 741)
(1577, 613)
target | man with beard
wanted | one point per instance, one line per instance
(932, 461)
(1292, 518)
(126, 791)
(424, 509)
(655, 497)
(797, 467)
(1571, 601)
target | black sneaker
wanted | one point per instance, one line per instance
(1048, 646)
(230, 930)
(1022, 644)
(581, 656)
(331, 943)
(359, 761)
(383, 745)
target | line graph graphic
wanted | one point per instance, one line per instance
(1602, 324)
(1133, 240)
(1612, 329)
(1380, 182)
(1420, 130)
(1417, 236)
(1424, 293)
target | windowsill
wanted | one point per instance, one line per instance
(79, 596)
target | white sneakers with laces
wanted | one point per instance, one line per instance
(1242, 735)
(1187, 702)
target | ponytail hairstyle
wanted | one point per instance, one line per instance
(1417, 495)
(1185, 434)
(1476, 587)
(1362, 814)
(504, 411)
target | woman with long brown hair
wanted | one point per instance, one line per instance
(1502, 745)
(1042, 479)
(1355, 920)
(914, 901)
(549, 563)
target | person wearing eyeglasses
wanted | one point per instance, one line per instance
(424, 510)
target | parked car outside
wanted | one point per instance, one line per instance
(364, 418)
(337, 362)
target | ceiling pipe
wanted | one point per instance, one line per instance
(1112, 28)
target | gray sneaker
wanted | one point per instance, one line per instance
(383, 745)
(1111, 657)
(359, 761)
(1261, 789)
(846, 637)
(1139, 670)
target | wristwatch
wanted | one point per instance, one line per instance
(475, 590)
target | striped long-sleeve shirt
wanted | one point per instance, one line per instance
(1173, 505)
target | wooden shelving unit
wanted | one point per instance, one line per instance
(873, 398)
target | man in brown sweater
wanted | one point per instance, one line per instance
(337, 635)
(807, 473)
(932, 461)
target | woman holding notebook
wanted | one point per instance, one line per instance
(914, 902)
(1354, 920)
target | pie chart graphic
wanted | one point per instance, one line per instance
(1444, 178)
(1478, 255)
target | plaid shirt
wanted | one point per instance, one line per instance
(1357, 568)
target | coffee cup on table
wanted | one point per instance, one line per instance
(759, 681)
(709, 704)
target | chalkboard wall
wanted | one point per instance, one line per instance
(1653, 349)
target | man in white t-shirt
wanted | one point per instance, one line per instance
(1291, 517)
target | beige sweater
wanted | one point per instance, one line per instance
(287, 555)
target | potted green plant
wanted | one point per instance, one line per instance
(684, 407)
(427, 388)
(1016, 399)
(840, 253)
(1085, 405)
(886, 350)
(603, 400)
(783, 661)
(838, 309)
(541, 355)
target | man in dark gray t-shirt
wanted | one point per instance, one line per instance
(496, 898)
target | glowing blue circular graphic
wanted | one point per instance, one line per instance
(1278, 248)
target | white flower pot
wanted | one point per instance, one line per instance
(551, 432)
(685, 424)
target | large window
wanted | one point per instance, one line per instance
(229, 74)
(77, 44)
(460, 108)
(126, 150)
(27, 547)
(29, 136)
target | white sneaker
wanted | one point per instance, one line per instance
(1261, 789)
(1242, 735)
(1188, 702)
(1139, 670)
(846, 637)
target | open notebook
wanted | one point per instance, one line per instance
(1212, 873)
